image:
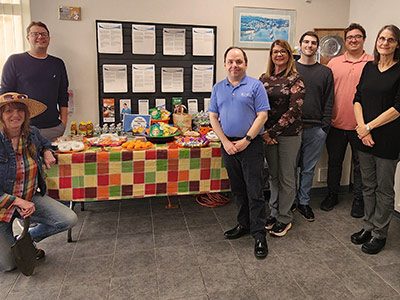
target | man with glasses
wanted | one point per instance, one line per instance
(42, 77)
(346, 71)
(316, 115)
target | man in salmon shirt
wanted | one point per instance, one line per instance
(346, 71)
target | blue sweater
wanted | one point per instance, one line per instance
(44, 80)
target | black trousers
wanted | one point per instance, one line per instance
(336, 144)
(245, 171)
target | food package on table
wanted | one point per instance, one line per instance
(159, 113)
(162, 129)
(107, 140)
(201, 119)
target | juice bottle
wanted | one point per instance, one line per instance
(82, 128)
(74, 129)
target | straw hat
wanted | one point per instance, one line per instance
(35, 107)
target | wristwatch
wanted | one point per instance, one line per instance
(248, 138)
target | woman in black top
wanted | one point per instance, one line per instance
(377, 111)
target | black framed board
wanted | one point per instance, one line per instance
(110, 104)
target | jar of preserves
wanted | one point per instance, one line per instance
(82, 128)
(74, 128)
(89, 129)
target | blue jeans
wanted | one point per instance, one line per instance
(52, 217)
(312, 141)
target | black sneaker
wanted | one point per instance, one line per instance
(270, 222)
(280, 229)
(307, 212)
(357, 209)
(329, 202)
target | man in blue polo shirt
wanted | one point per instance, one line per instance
(238, 110)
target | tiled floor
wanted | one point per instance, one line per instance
(136, 249)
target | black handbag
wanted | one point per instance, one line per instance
(24, 252)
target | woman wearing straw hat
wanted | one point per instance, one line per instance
(22, 185)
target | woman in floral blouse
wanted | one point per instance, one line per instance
(282, 134)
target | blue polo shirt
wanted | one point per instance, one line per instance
(237, 106)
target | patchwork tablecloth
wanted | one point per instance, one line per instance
(160, 171)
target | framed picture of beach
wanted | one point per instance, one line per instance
(257, 28)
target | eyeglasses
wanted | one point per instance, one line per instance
(36, 34)
(382, 39)
(355, 37)
(281, 52)
(14, 96)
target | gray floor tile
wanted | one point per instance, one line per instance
(95, 246)
(49, 293)
(158, 205)
(142, 286)
(279, 286)
(138, 262)
(201, 218)
(180, 283)
(176, 257)
(234, 294)
(89, 269)
(224, 277)
(127, 243)
(171, 237)
(189, 204)
(46, 276)
(339, 259)
(135, 225)
(95, 290)
(129, 211)
(390, 273)
(366, 284)
(169, 220)
(215, 253)
(209, 233)
(319, 239)
(325, 288)
(97, 228)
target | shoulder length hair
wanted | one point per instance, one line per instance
(290, 69)
(25, 129)
(396, 32)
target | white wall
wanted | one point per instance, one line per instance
(75, 42)
(373, 15)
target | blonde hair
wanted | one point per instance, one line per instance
(25, 129)
(291, 67)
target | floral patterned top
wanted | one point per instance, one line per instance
(286, 96)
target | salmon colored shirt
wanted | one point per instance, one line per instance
(346, 75)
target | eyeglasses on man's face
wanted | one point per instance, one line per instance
(354, 37)
(36, 34)
(14, 96)
(281, 52)
(390, 40)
